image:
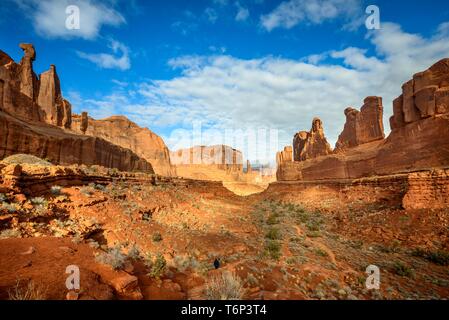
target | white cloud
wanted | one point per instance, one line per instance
(242, 12)
(49, 17)
(211, 15)
(293, 12)
(110, 61)
(274, 93)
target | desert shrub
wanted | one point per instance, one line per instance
(227, 286)
(402, 269)
(39, 201)
(134, 252)
(274, 234)
(9, 207)
(87, 191)
(25, 159)
(95, 186)
(157, 237)
(30, 291)
(272, 219)
(157, 266)
(321, 252)
(113, 257)
(273, 249)
(56, 190)
(438, 257)
(183, 263)
(10, 233)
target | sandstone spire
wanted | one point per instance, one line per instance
(27, 77)
(312, 144)
(362, 126)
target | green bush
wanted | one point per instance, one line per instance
(157, 266)
(274, 234)
(157, 237)
(402, 269)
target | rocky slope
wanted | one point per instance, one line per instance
(122, 132)
(420, 127)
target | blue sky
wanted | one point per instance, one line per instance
(231, 65)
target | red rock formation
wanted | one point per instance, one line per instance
(362, 126)
(50, 97)
(309, 145)
(427, 189)
(121, 131)
(283, 158)
(418, 139)
(32, 109)
(426, 95)
(62, 147)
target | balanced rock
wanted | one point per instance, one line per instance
(28, 79)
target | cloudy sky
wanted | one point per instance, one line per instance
(244, 71)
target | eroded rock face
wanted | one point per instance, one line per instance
(362, 126)
(418, 140)
(312, 144)
(50, 97)
(424, 96)
(28, 97)
(35, 118)
(121, 131)
(63, 147)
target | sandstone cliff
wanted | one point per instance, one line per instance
(121, 131)
(418, 140)
(35, 119)
(62, 147)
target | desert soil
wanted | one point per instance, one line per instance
(315, 244)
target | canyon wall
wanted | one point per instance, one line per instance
(36, 119)
(121, 131)
(418, 140)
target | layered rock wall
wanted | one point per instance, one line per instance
(121, 131)
(62, 147)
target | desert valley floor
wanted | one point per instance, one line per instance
(162, 236)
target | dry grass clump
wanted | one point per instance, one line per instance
(30, 291)
(227, 286)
